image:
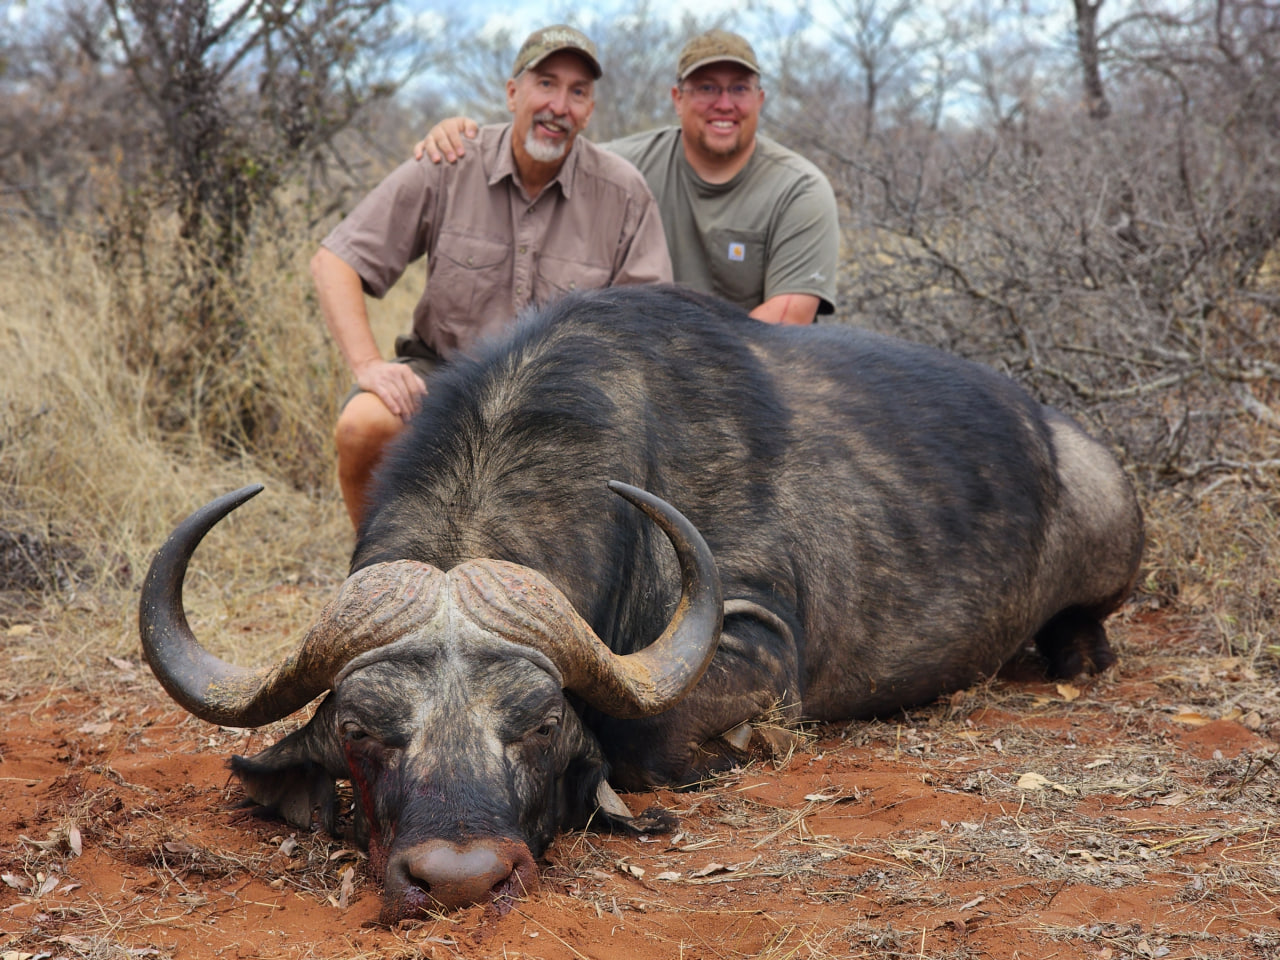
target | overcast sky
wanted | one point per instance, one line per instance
(527, 15)
(1048, 20)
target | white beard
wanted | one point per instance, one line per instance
(537, 149)
(543, 152)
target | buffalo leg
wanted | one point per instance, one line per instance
(1073, 642)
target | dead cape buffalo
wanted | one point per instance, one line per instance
(859, 524)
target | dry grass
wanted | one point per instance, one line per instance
(1213, 554)
(90, 484)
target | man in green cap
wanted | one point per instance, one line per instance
(532, 213)
(745, 218)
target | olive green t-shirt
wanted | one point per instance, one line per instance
(772, 229)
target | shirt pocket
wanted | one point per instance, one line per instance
(556, 276)
(735, 260)
(467, 273)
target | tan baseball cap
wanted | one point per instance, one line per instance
(543, 43)
(716, 46)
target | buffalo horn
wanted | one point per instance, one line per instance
(521, 605)
(375, 606)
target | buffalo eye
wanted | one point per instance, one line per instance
(353, 733)
(546, 729)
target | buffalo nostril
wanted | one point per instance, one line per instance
(454, 876)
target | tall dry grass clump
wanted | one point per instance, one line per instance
(114, 424)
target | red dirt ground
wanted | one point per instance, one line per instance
(1127, 816)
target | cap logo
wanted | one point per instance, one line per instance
(554, 37)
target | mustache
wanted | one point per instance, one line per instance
(553, 119)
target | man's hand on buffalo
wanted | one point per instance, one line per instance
(395, 384)
(447, 139)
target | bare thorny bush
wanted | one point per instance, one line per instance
(1069, 258)
(1123, 268)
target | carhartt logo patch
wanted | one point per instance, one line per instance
(737, 252)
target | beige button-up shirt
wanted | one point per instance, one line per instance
(491, 250)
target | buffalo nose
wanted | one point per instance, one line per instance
(459, 875)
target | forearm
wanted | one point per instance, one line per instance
(342, 304)
(792, 308)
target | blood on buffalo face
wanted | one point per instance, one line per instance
(457, 760)
(464, 760)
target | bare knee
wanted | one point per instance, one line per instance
(364, 428)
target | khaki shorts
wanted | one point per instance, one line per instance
(421, 359)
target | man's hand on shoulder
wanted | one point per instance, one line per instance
(447, 140)
(395, 384)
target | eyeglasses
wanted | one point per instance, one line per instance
(704, 93)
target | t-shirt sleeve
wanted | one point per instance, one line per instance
(388, 229)
(804, 246)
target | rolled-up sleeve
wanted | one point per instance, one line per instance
(389, 228)
(642, 250)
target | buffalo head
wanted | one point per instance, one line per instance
(446, 707)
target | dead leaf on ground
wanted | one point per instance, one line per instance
(18, 883)
(709, 869)
(839, 795)
(1036, 781)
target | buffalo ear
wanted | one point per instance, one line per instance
(614, 815)
(293, 778)
(650, 820)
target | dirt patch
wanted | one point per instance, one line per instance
(1129, 816)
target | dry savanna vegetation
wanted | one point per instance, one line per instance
(1096, 216)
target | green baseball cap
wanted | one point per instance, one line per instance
(543, 43)
(716, 46)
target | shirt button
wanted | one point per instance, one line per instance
(523, 249)
(471, 261)
(573, 285)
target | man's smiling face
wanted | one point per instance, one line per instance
(551, 104)
(719, 109)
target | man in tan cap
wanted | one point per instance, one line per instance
(745, 218)
(532, 213)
